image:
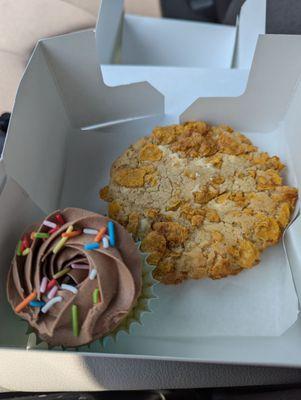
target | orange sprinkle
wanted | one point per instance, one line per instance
(100, 234)
(25, 302)
(71, 234)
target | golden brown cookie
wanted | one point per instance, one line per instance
(202, 199)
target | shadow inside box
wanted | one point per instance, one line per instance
(137, 395)
(287, 392)
(188, 375)
(4, 121)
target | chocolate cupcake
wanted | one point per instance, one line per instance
(71, 281)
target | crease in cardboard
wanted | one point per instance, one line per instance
(88, 100)
(43, 125)
(106, 125)
(54, 78)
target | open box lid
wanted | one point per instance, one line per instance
(77, 98)
(135, 40)
(62, 92)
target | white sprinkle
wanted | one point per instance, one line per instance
(89, 231)
(51, 303)
(105, 242)
(80, 266)
(52, 292)
(92, 274)
(50, 224)
(70, 288)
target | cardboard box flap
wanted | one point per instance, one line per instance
(108, 29)
(58, 93)
(36, 139)
(129, 39)
(154, 41)
(251, 23)
(263, 104)
(87, 100)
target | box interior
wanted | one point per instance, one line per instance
(135, 40)
(55, 156)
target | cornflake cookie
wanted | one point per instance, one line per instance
(202, 199)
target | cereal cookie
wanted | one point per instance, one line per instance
(202, 199)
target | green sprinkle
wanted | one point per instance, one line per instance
(61, 273)
(26, 252)
(95, 296)
(41, 235)
(75, 329)
(19, 252)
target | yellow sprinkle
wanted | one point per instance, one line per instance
(62, 242)
(26, 252)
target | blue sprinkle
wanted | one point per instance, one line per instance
(111, 231)
(37, 303)
(91, 246)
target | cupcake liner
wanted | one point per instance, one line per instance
(142, 306)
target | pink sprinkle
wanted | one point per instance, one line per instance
(49, 224)
(80, 266)
(52, 292)
(43, 285)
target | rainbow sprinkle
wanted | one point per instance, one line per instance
(39, 235)
(60, 219)
(19, 252)
(96, 296)
(61, 273)
(74, 316)
(80, 266)
(105, 242)
(51, 284)
(69, 288)
(25, 302)
(91, 246)
(71, 234)
(25, 243)
(37, 303)
(52, 231)
(111, 231)
(43, 285)
(92, 274)
(89, 231)
(100, 234)
(50, 224)
(62, 242)
(26, 252)
(51, 303)
(51, 294)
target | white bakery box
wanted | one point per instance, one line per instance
(66, 128)
(131, 40)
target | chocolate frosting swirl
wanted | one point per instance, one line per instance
(119, 279)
